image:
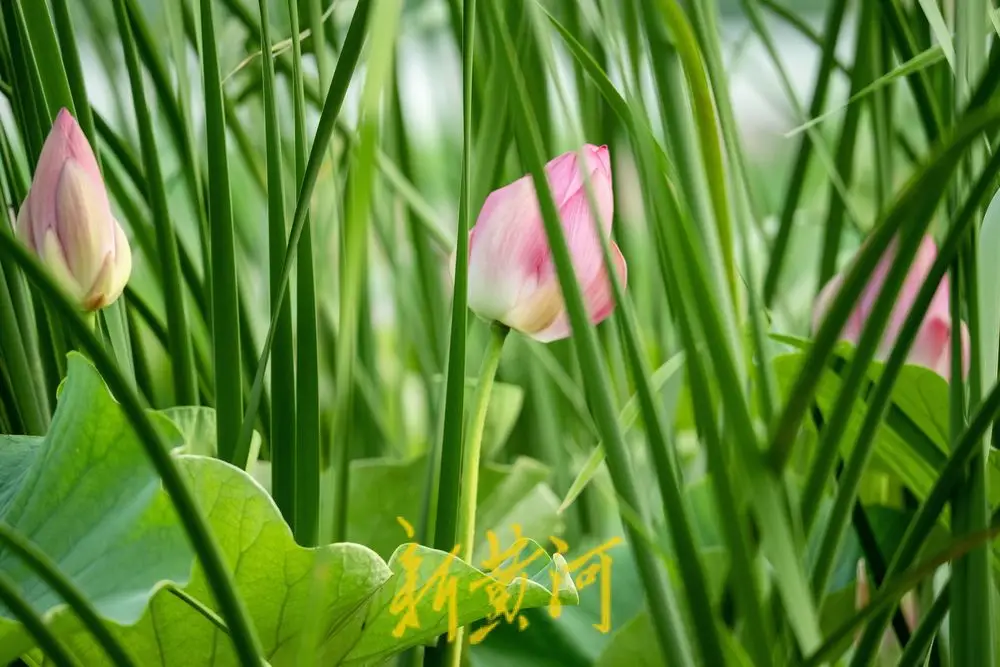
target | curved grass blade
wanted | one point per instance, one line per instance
(49, 572)
(919, 62)
(626, 419)
(33, 623)
(696, 173)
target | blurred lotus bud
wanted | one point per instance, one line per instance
(66, 220)
(908, 603)
(512, 278)
(932, 347)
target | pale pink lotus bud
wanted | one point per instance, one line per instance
(932, 347)
(512, 278)
(66, 219)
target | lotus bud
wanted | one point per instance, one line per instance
(932, 346)
(512, 278)
(66, 220)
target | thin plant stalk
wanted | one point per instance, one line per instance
(182, 356)
(354, 249)
(282, 440)
(307, 426)
(972, 609)
(225, 312)
(449, 476)
(790, 205)
(471, 461)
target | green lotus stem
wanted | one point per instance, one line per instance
(470, 460)
(474, 440)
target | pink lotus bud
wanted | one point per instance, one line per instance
(66, 219)
(512, 278)
(932, 347)
(908, 603)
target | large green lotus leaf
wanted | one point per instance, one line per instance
(86, 495)
(17, 452)
(285, 587)
(480, 595)
(197, 425)
(337, 595)
(89, 498)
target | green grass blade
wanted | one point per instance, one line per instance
(48, 571)
(941, 32)
(74, 69)
(450, 453)
(746, 213)
(793, 194)
(283, 439)
(42, 36)
(307, 426)
(354, 248)
(226, 338)
(185, 383)
(719, 240)
(930, 115)
(626, 420)
(918, 63)
(846, 146)
(22, 379)
(971, 620)
(29, 95)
